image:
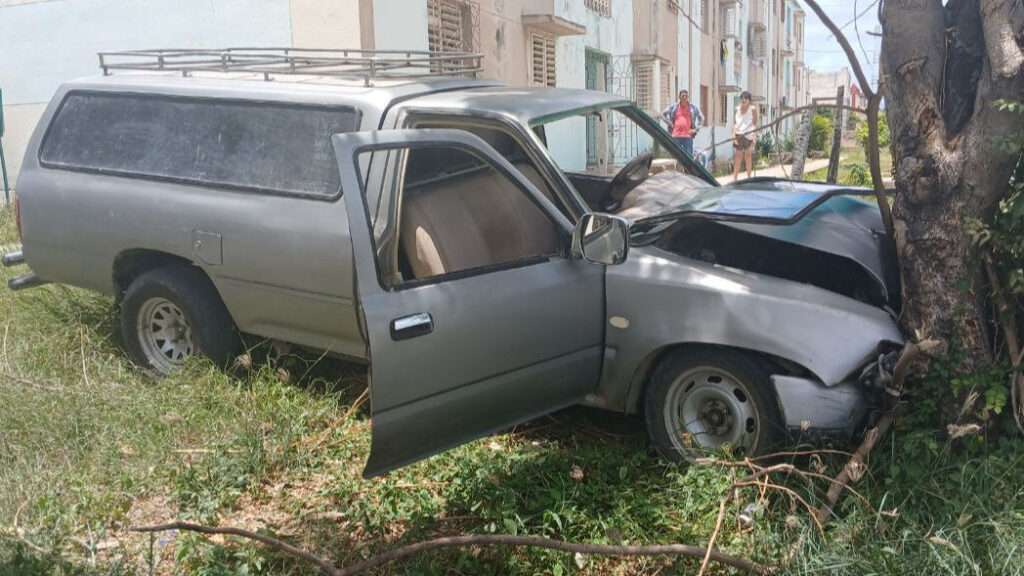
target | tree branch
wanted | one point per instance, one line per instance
(1007, 320)
(790, 114)
(1001, 32)
(874, 102)
(324, 565)
(856, 466)
(847, 48)
(466, 541)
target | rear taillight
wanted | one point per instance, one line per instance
(17, 215)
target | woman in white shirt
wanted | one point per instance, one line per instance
(744, 135)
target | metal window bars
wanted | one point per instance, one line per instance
(367, 65)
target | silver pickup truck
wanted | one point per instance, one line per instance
(494, 253)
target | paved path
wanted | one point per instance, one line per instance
(778, 172)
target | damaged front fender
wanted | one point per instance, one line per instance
(658, 299)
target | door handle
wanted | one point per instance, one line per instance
(412, 326)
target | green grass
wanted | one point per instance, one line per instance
(89, 446)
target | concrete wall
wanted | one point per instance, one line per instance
(55, 41)
(325, 23)
(400, 24)
(614, 37)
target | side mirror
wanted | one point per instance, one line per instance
(601, 239)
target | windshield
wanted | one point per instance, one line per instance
(780, 204)
(764, 201)
(600, 142)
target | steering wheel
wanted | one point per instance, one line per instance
(632, 175)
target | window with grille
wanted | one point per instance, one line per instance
(645, 85)
(452, 26)
(542, 59)
(723, 117)
(602, 7)
(759, 44)
(666, 83)
(705, 17)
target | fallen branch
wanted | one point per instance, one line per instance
(714, 535)
(464, 541)
(855, 467)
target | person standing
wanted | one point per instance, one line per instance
(744, 135)
(684, 121)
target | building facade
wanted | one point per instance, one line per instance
(644, 50)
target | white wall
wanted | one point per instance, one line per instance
(325, 23)
(400, 24)
(613, 36)
(43, 44)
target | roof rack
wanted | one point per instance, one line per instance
(366, 65)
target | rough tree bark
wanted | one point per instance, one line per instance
(942, 67)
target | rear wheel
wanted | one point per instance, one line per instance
(706, 400)
(171, 314)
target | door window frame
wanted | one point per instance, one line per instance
(574, 204)
(395, 174)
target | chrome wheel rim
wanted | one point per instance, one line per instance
(707, 409)
(165, 334)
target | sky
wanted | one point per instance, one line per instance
(821, 50)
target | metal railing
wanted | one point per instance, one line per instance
(366, 65)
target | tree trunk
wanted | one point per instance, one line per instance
(948, 170)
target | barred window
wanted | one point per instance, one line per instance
(542, 58)
(452, 26)
(666, 83)
(602, 7)
(705, 17)
(760, 44)
(645, 85)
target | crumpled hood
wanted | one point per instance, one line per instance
(841, 222)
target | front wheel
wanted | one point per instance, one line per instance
(705, 400)
(171, 314)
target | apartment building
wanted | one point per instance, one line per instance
(644, 50)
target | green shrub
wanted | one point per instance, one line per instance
(821, 132)
(884, 136)
(855, 174)
(788, 142)
(766, 147)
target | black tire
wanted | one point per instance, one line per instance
(207, 328)
(742, 403)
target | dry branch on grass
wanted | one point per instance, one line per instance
(465, 541)
(855, 467)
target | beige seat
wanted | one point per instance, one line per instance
(474, 221)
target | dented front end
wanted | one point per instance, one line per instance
(821, 342)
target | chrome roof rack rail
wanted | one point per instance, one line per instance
(367, 65)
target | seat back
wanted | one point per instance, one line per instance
(477, 220)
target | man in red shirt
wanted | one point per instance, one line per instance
(684, 120)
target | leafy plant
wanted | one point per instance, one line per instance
(856, 174)
(1013, 143)
(884, 136)
(766, 147)
(788, 142)
(821, 132)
